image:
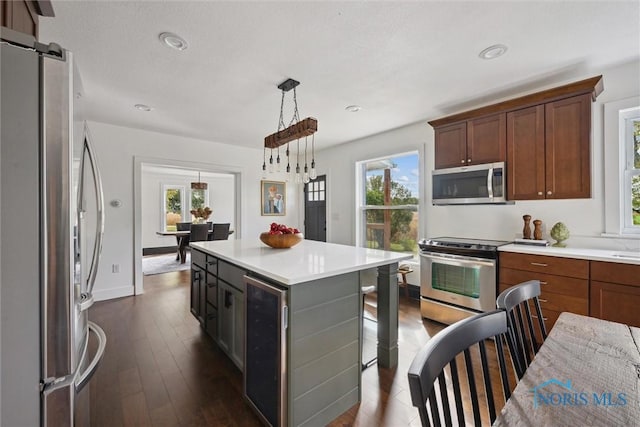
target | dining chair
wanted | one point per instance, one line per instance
(182, 226)
(220, 232)
(199, 232)
(522, 323)
(430, 366)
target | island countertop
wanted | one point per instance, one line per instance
(306, 261)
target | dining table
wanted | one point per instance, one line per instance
(587, 373)
(183, 241)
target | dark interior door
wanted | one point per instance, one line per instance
(315, 209)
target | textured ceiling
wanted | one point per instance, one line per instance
(403, 62)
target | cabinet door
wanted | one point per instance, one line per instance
(231, 322)
(225, 317)
(618, 303)
(567, 148)
(486, 139)
(20, 15)
(451, 145)
(525, 154)
(237, 349)
(197, 292)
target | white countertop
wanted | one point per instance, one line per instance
(306, 261)
(625, 257)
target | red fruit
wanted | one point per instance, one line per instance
(277, 232)
(296, 231)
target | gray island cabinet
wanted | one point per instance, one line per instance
(318, 364)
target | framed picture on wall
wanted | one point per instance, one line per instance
(273, 197)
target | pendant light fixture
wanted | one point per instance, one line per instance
(199, 185)
(296, 130)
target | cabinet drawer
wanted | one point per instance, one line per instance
(212, 265)
(231, 274)
(614, 272)
(548, 282)
(618, 303)
(198, 258)
(558, 302)
(211, 321)
(212, 289)
(546, 264)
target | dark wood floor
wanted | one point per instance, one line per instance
(160, 369)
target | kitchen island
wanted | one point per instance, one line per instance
(322, 341)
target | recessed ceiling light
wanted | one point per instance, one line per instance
(353, 108)
(143, 107)
(174, 41)
(493, 51)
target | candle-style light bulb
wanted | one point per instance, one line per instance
(271, 164)
(305, 177)
(313, 174)
(264, 170)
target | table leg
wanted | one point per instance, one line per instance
(182, 248)
(388, 315)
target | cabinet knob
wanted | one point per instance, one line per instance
(462, 161)
(539, 193)
(468, 160)
(549, 193)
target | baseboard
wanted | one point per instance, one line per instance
(159, 250)
(102, 295)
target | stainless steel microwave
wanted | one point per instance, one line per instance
(467, 185)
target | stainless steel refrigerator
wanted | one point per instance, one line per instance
(51, 225)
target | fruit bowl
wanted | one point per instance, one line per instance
(281, 241)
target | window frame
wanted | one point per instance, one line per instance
(628, 169)
(361, 208)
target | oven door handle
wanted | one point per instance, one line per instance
(458, 260)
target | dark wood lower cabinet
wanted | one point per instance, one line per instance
(615, 292)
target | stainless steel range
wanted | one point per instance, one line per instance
(458, 277)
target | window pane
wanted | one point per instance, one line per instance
(635, 200)
(394, 230)
(173, 208)
(321, 185)
(321, 196)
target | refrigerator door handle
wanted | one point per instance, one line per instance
(84, 377)
(97, 247)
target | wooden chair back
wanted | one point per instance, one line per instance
(438, 361)
(527, 330)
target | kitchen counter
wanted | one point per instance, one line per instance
(308, 260)
(624, 257)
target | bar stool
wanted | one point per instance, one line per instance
(365, 290)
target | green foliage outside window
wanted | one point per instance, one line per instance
(403, 234)
(635, 181)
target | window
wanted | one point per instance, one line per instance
(387, 211)
(631, 184)
(173, 197)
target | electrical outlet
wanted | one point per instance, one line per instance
(115, 268)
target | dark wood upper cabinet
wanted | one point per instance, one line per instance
(22, 15)
(525, 154)
(486, 139)
(568, 148)
(472, 142)
(451, 145)
(544, 139)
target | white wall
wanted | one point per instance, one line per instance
(221, 200)
(583, 217)
(121, 150)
